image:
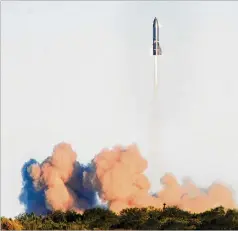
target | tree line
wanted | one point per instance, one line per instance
(168, 218)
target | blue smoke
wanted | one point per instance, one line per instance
(81, 187)
(33, 201)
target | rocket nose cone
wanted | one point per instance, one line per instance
(155, 22)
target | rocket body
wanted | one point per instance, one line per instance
(156, 51)
(156, 46)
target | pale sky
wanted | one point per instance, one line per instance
(82, 72)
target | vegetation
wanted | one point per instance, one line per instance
(169, 218)
(9, 224)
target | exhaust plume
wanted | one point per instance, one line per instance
(117, 176)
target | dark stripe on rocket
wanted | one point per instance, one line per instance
(156, 47)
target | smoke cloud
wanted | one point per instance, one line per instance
(34, 200)
(117, 176)
(58, 182)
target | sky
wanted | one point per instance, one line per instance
(82, 72)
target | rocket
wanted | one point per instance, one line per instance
(153, 123)
(156, 50)
(156, 47)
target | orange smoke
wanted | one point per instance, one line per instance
(119, 173)
(117, 176)
(120, 180)
(53, 174)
